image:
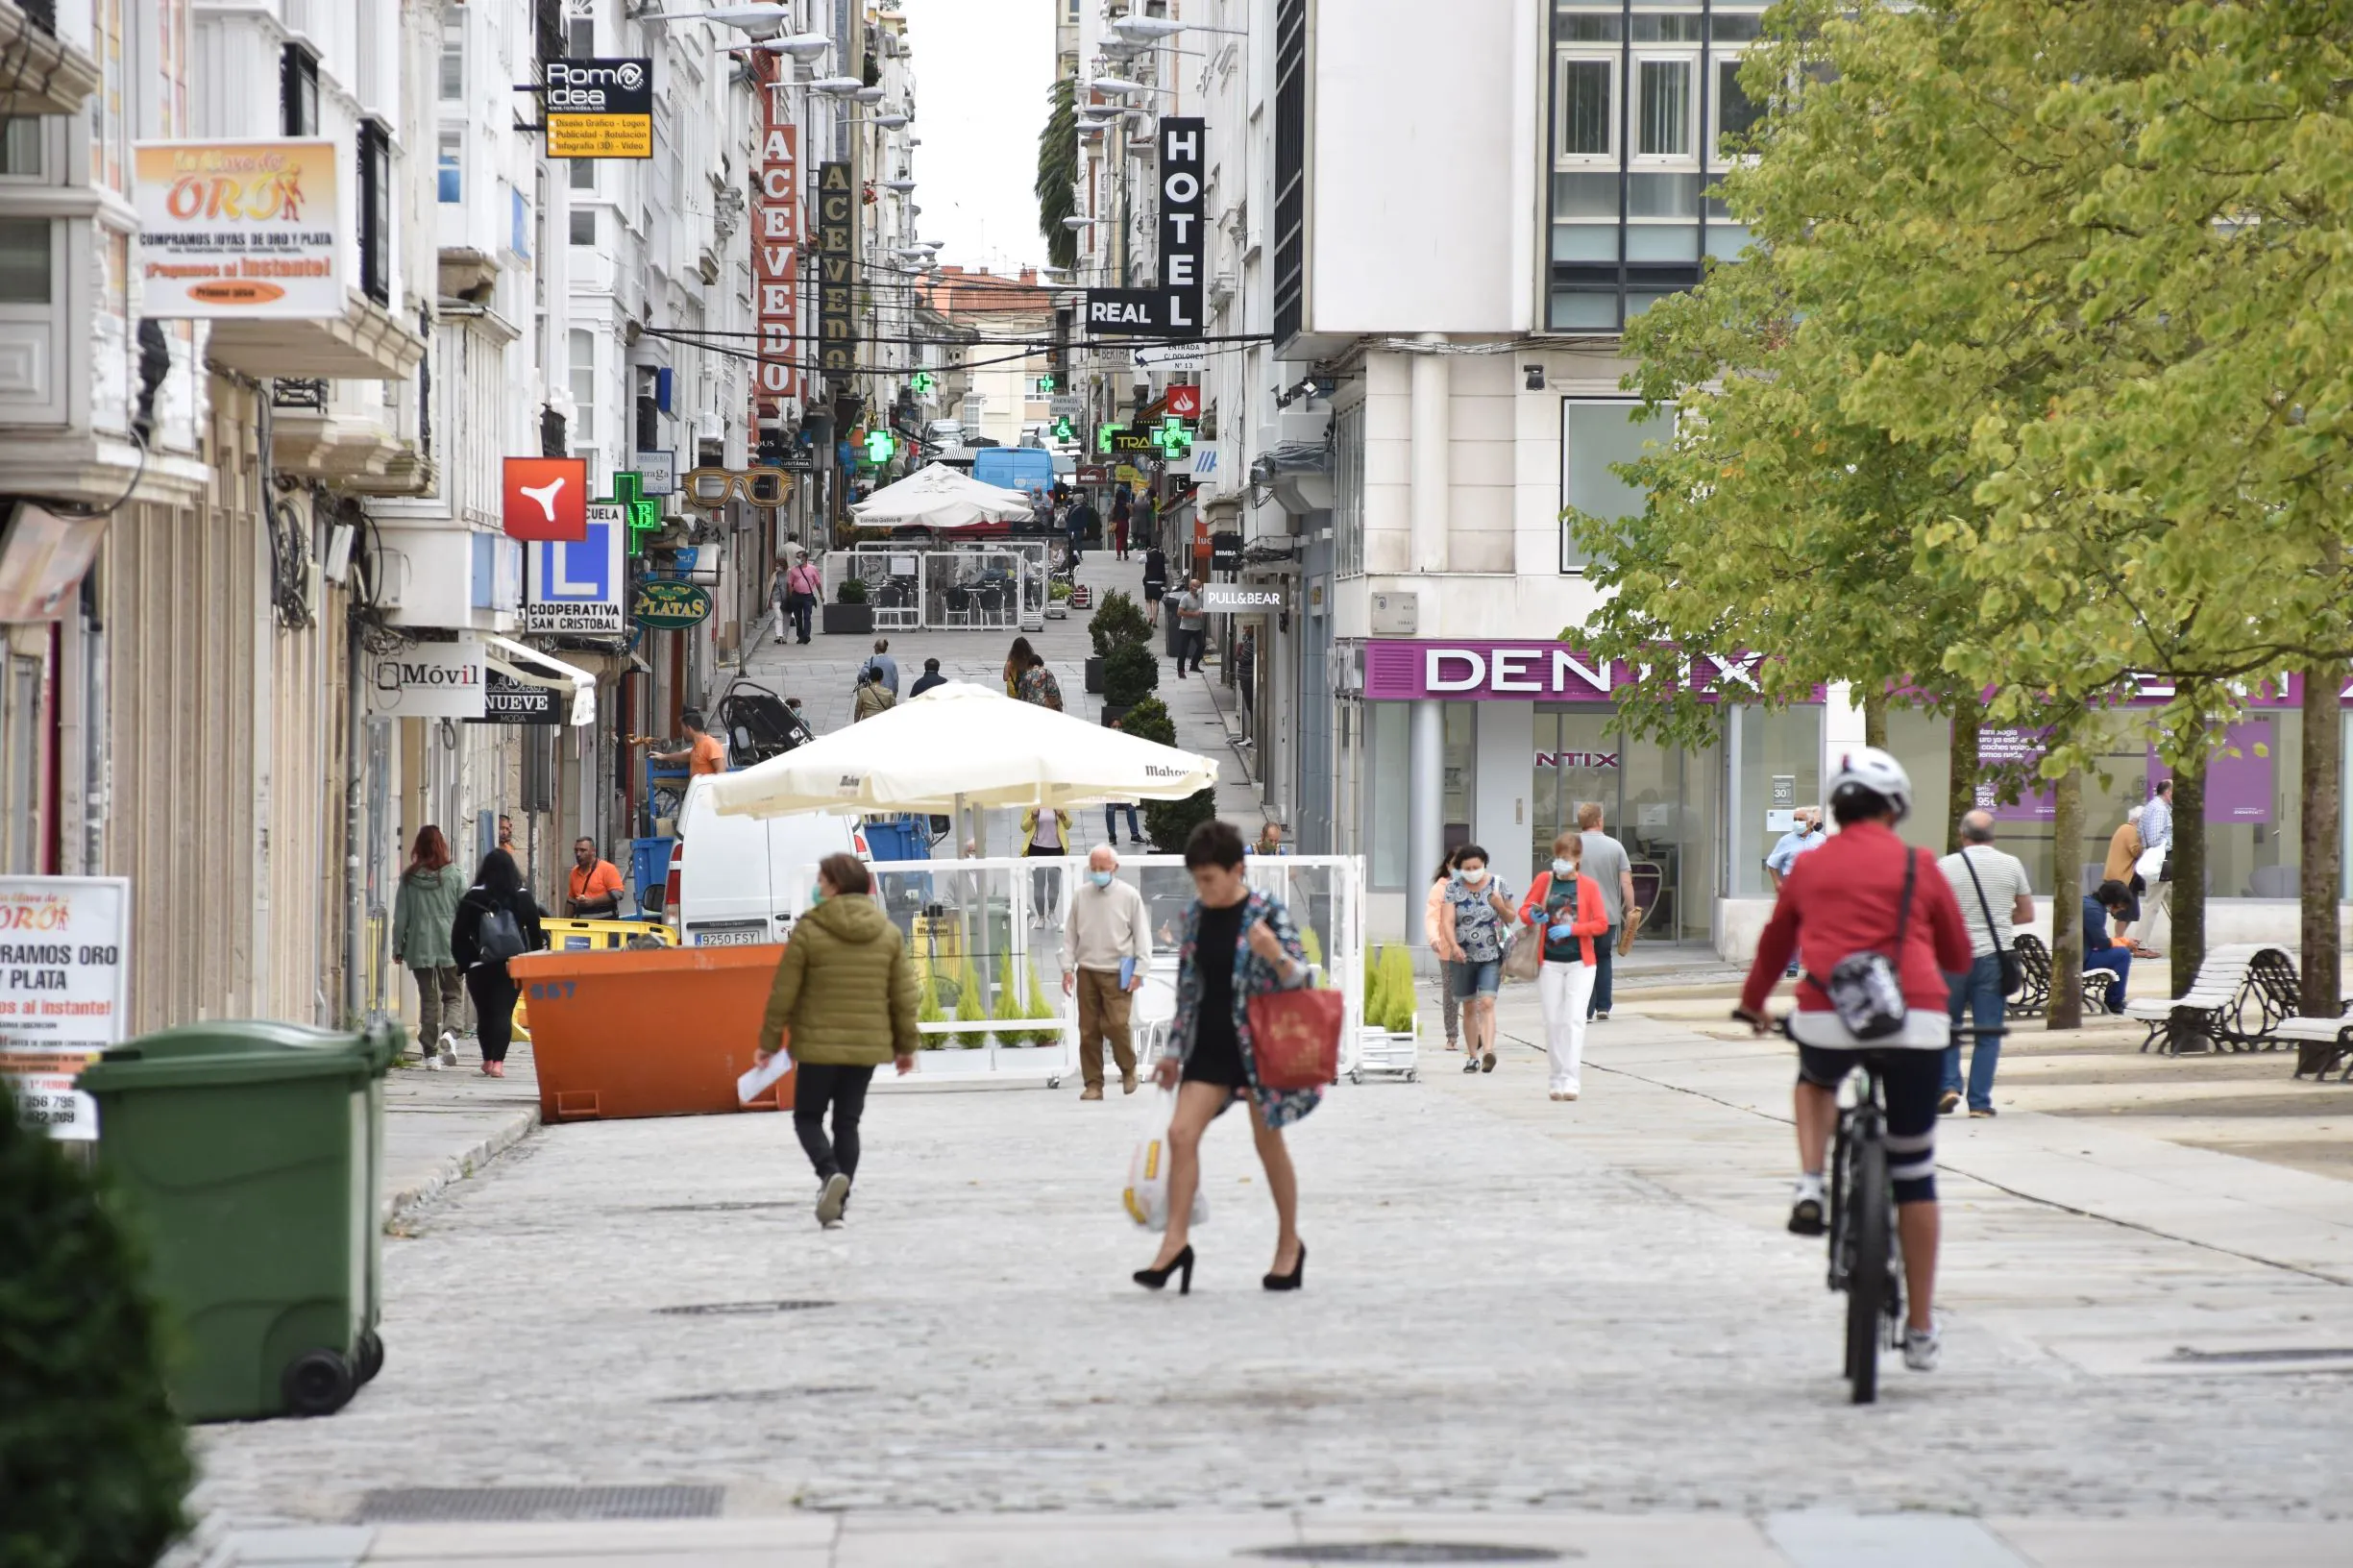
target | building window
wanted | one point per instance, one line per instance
(452, 165)
(375, 211)
(25, 260)
(580, 37)
(1641, 102)
(297, 91)
(1596, 433)
(1290, 168)
(583, 226)
(20, 147)
(1348, 492)
(583, 385)
(584, 173)
(454, 58)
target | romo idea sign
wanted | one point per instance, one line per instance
(600, 108)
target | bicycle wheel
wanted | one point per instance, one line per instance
(1867, 1274)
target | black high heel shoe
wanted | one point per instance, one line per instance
(1297, 1277)
(1153, 1279)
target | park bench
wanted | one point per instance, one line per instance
(2033, 998)
(2321, 1044)
(2214, 1011)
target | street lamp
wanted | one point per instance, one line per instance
(898, 185)
(1076, 221)
(869, 96)
(760, 21)
(837, 86)
(1145, 30)
(889, 122)
(802, 46)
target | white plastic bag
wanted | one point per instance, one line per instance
(1145, 1197)
(2150, 862)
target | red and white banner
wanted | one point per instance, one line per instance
(776, 255)
(1185, 401)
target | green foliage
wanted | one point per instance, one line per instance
(851, 592)
(927, 1008)
(971, 1007)
(93, 1464)
(1130, 674)
(1169, 823)
(1312, 944)
(1057, 183)
(1376, 987)
(1116, 620)
(1058, 589)
(1148, 719)
(1397, 991)
(1043, 1010)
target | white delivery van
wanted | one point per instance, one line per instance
(739, 881)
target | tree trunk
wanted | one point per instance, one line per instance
(1961, 780)
(2186, 945)
(1874, 719)
(2319, 866)
(2066, 1010)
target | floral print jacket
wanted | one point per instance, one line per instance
(1253, 976)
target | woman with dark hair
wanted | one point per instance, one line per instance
(1443, 949)
(1016, 665)
(496, 921)
(421, 910)
(1475, 914)
(1237, 944)
(842, 1004)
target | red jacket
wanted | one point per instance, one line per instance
(1840, 899)
(1592, 915)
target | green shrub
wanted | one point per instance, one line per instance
(1041, 1009)
(1169, 823)
(1058, 590)
(1397, 987)
(1148, 719)
(1130, 674)
(1376, 1003)
(851, 592)
(93, 1464)
(971, 1007)
(1116, 621)
(1312, 944)
(927, 1008)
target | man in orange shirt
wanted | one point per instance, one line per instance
(595, 884)
(706, 754)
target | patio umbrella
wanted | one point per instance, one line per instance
(962, 744)
(938, 497)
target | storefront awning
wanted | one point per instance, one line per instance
(534, 667)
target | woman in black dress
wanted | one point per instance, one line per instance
(1237, 944)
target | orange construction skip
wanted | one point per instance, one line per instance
(647, 1032)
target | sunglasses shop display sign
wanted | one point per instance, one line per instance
(577, 587)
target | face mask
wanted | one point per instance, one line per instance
(816, 896)
(1473, 875)
(1101, 879)
(1563, 868)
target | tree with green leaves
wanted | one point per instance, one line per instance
(1057, 183)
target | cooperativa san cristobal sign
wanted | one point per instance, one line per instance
(666, 604)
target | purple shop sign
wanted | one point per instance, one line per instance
(2238, 789)
(1475, 671)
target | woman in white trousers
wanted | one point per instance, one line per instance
(1565, 907)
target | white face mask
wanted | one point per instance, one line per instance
(1563, 868)
(1474, 874)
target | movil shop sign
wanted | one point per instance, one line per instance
(429, 681)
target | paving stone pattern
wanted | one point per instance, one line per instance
(1511, 1305)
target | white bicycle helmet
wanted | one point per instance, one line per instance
(1868, 767)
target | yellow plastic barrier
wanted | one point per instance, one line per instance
(569, 934)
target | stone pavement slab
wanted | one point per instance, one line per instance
(443, 1127)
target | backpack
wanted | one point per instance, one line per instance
(499, 935)
(1866, 989)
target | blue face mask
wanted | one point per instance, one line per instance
(1101, 879)
(817, 896)
(1563, 868)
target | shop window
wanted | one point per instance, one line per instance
(1779, 769)
(1594, 436)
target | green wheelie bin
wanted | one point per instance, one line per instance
(251, 1156)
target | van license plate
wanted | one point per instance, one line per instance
(730, 936)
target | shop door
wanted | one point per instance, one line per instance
(1576, 760)
(1666, 819)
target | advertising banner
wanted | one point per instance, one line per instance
(837, 274)
(775, 252)
(42, 561)
(232, 229)
(429, 681)
(64, 965)
(506, 700)
(576, 588)
(2001, 746)
(600, 108)
(1489, 671)
(2239, 789)
(1237, 598)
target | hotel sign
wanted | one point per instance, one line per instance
(1173, 310)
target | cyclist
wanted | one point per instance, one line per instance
(1844, 899)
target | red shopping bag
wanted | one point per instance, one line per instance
(1295, 1037)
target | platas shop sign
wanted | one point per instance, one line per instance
(665, 605)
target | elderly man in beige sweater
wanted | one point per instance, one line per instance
(1107, 950)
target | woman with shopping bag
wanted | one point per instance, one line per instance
(1237, 947)
(1564, 909)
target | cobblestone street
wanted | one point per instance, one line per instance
(1514, 1306)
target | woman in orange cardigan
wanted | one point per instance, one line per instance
(1565, 906)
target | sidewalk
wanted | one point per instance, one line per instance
(444, 1127)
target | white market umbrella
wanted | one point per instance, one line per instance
(961, 744)
(938, 497)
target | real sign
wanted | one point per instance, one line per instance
(576, 588)
(600, 108)
(429, 681)
(775, 249)
(64, 965)
(238, 228)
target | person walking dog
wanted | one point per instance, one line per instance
(1565, 905)
(1237, 944)
(423, 910)
(496, 921)
(842, 1005)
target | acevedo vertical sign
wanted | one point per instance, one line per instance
(837, 276)
(776, 254)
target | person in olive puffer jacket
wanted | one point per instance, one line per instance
(844, 1004)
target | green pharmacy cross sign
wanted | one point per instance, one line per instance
(1172, 438)
(642, 516)
(923, 382)
(879, 446)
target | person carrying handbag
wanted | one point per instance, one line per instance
(1564, 908)
(496, 921)
(1237, 944)
(1983, 879)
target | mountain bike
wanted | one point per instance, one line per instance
(1862, 1227)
